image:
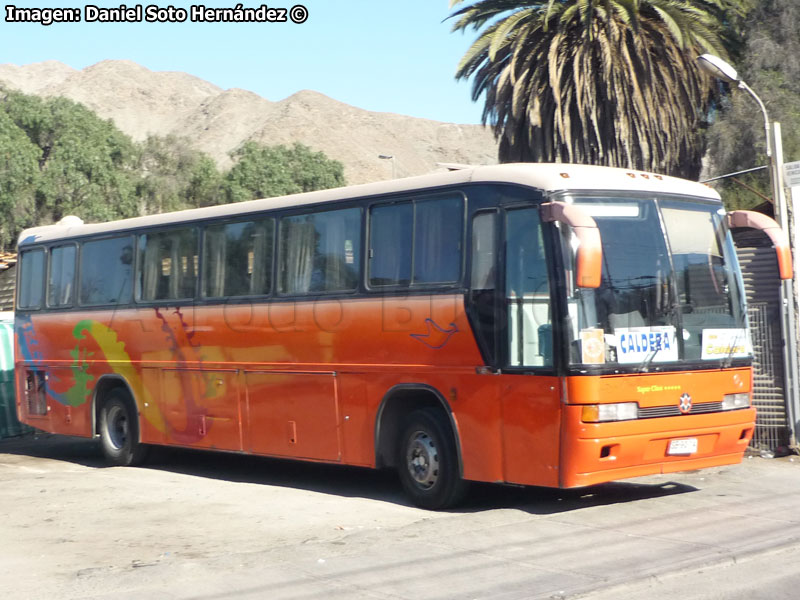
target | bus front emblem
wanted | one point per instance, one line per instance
(685, 405)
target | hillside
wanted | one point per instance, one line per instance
(143, 102)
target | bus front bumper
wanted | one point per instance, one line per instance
(601, 452)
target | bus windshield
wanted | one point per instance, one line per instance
(669, 290)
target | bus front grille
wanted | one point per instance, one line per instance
(656, 412)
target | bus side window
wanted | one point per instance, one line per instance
(320, 252)
(31, 284)
(237, 259)
(438, 229)
(483, 292)
(416, 242)
(390, 235)
(106, 271)
(167, 267)
(484, 251)
(527, 291)
(61, 277)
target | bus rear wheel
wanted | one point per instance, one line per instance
(119, 431)
(427, 461)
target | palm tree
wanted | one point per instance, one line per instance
(609, 82)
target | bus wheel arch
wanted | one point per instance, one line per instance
(117, 424)
(417, 420)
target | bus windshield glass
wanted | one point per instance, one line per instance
(669, 290)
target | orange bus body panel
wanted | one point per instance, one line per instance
(301, 380)
(532, 416)
(306, 380)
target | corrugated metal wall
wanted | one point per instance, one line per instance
(762, 284)
(7, 285)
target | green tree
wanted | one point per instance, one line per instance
(174, 176)
(19, 169)
(59, 158)
(770, 64)
(269, 171)
(204, 183)
(609, 82)
(86, 165)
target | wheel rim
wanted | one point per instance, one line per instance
(117, 426)
(422, 460)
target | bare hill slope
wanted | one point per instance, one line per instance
(142, 102)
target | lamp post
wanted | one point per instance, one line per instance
(391, 158)
(717, 67)
(720, 69)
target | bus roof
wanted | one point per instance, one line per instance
(548, 177)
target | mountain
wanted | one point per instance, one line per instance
(143, 102)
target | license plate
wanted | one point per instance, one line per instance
(687, 446)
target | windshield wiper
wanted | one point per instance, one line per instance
(644, 366)
(728, 360)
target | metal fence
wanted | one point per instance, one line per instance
(772, 429)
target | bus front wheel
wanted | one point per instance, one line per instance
(119, 431)
(427, 461)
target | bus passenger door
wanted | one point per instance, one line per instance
(530, 392)
(531, 429)
(527, 292)
(293, 414)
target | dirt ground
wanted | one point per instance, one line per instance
(194, 525)
(72, 521)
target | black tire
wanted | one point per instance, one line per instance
(427, 461)
(119, 430)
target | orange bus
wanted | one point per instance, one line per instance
(548, 325)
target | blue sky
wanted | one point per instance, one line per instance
(378, 55)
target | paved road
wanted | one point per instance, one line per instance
(205, 526)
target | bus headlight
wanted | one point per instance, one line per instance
(734, 401)
(601, 413)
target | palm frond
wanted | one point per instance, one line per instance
(595, 81)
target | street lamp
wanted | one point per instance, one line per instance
(391, 158)
(720, 69)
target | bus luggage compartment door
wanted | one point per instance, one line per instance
(201, 408)
(293, 414)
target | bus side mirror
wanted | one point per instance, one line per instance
(756, 220)
(589, 256)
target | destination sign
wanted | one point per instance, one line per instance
(725, 343)
(654, 344)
